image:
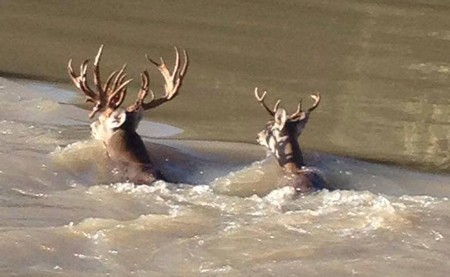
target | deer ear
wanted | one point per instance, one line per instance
(280, 118)
(116, 119)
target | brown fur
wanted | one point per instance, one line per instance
(126, 148)
(280, 137)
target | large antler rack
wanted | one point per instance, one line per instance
(296, 115)
(109, 95)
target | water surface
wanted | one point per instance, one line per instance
(382, 67)
(383, 71)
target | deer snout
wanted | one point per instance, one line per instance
(261, 138)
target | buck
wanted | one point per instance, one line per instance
(280, 137)
(116, 126)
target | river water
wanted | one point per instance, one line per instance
(381, 136)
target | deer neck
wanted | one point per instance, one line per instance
(291, 158)
(134, 118)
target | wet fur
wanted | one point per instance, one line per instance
(126, 149)
(280, 137)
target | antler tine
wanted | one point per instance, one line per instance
(161, 66)
(72, 74)
(109, 80)
(143, 92)
(80, 80)
(261, 98)
(83, 82)
(178, 72)
(117, 80)
(173, 80)
(176, 67)
(145, 84)
(184, 68)
(299, 109)
(120, 92)
(97, 80)
(316, 101)
(277, 104)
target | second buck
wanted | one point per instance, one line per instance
(280, 137)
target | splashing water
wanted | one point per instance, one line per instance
(65, 212)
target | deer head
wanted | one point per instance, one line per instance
(280, 136)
